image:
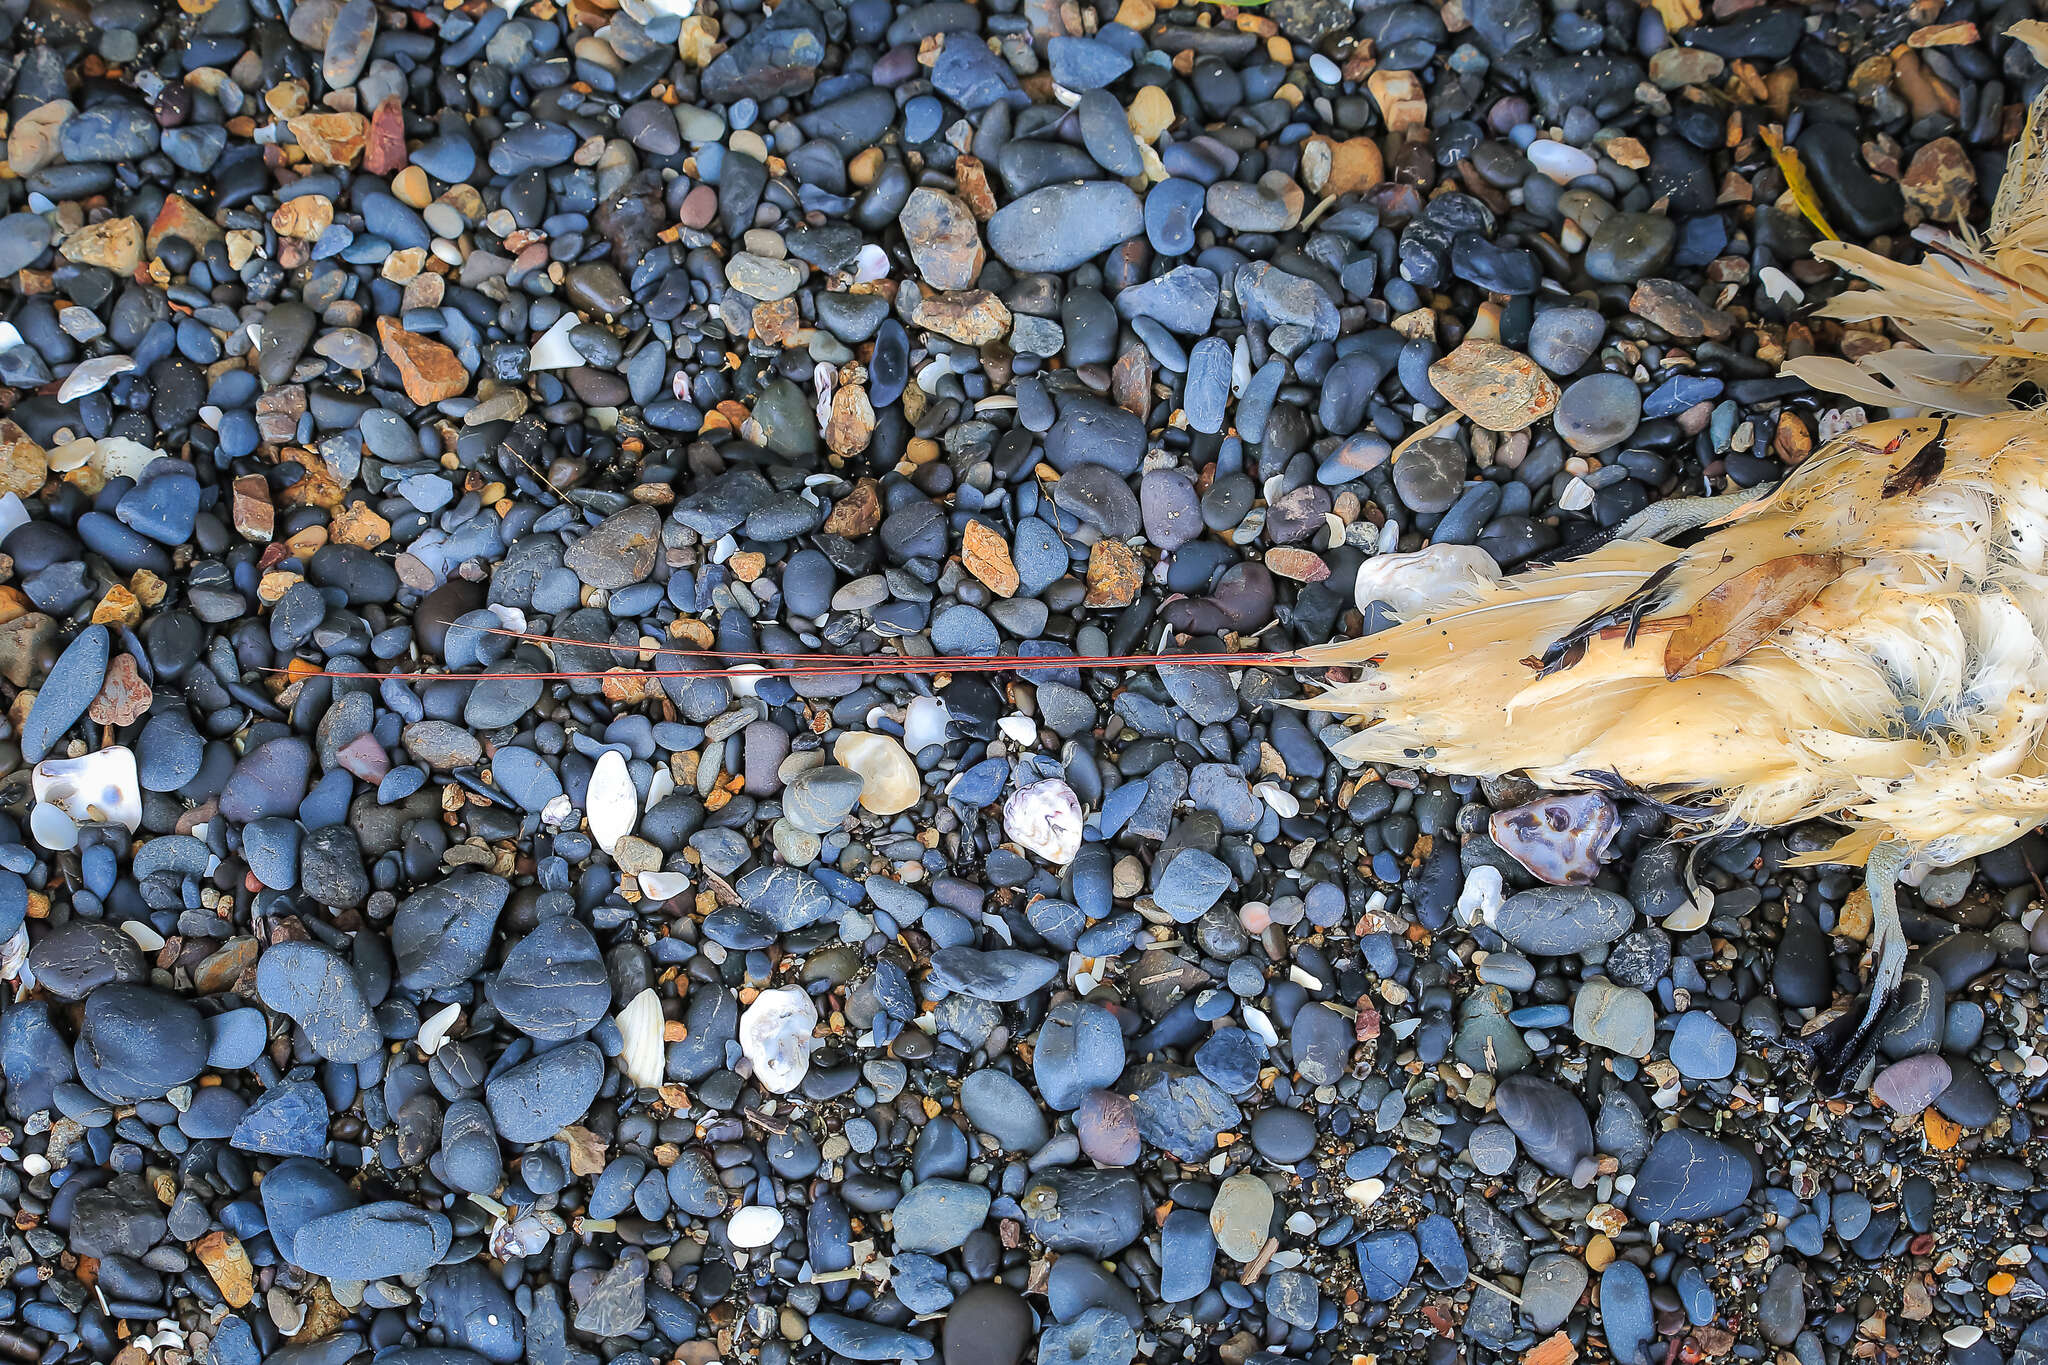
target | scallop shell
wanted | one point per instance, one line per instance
(642, 1055)
(775, 1035)
(1045, 817)
(612, 803)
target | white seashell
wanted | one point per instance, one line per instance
(1481, 897)
(658, 790)
(554, 350)
(53, 829)
(101, 788)
(612, 803)
(146, 938)
(434, 1031)
(1045, 817)
(1283, 801)
(1018, 730)
(118, 457)
(870, 265)
(775, 1035)
(754, 1226)
(90, 376)
(663, 886)
(1417, 583)
(643, 1056)
(925, 722)
(14, 957)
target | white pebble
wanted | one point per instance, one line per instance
(1560, 161)
(754, 1226)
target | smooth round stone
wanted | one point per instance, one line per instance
(1172, 208)
(1559, 921)
(1628, 246)
(1387, 1261)
(1618, 1018)
(1909, 1086)
(988, 1324)
(1241, 1216)
(535, 1100)
(135, 1043)
(937, 1216)
(1549, 1123)
(1702, 1048)
(1562, 340)
(1430, 474)
(1000, 1106)
(1493, 1148)
(552, 985)
(1598, 412)
(817, 800)
(1689, 1176)
(1079, 1049)
(1283, 1135)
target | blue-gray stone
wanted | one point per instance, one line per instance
(538, 1098)
(289, 1119)
(66, 691)
(1689, 1176)
(372, 1242)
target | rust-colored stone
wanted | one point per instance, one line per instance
(331, 139)
(429, 370)
(973, 317)
(384, 148)
(986, 555)
(1114, 575)
(250, 509)
(858, 513)
(1500, 389)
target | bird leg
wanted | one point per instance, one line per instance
(1675, 516)
(1845, 1068)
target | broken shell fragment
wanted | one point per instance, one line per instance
(100, 788)
(1045, 817)
(1559, 839)
(642, 1052)
(775, 1035)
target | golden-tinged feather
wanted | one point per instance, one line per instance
(1974, 309)
(1867, 643)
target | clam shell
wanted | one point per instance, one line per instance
(612, 803)
(642, 1055)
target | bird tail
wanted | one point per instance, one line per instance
(1443, 689)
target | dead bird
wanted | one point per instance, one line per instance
(1866, 644)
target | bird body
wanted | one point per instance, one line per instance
(1868, 643)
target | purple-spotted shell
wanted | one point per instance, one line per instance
(1045, 817)
(1559, 839)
